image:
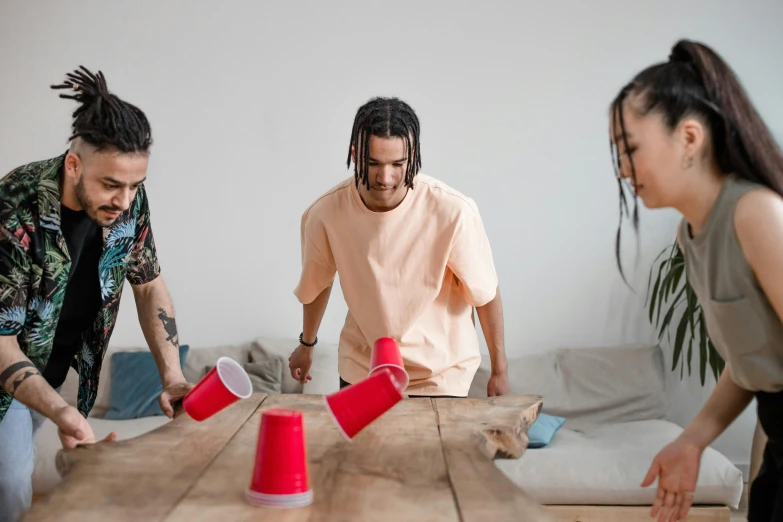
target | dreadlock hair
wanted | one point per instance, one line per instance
(384, 118)
(103, 120)
(697, 82)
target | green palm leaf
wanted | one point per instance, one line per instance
(670, 290)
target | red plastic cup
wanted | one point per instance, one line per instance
(225, 384)
(386, 354)
(356, 406)
(280, 475)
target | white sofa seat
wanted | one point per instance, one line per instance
(615, 404)
(605, 465)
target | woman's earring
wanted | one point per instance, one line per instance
(687, 163)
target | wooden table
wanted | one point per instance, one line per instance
(426, 460)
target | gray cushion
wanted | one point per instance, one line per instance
(268, 348)
(201, 360)
(590, 385)
(266, 376)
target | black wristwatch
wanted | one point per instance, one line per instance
(301, 340)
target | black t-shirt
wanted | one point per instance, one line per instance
(82, 301)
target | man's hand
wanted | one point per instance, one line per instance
(498, 384)
(172, 394)
(300, 362)
(74, 430)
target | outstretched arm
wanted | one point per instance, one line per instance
(156, 317)
(21, 379)
(491, 319)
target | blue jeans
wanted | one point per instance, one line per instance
(17, 458)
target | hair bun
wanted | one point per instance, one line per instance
(680, 53)
(86, 85)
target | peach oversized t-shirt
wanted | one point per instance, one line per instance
(413, 273)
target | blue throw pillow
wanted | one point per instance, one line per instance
(135, 385)
(542, 431)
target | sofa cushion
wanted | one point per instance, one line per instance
(264, 348)
(70, 388)
(590, 385)
(266, 376)
(323, 371)
(605, 465)
(47, 444)
(201, 360)
(135, 385)
(103, 400)
(543, 429)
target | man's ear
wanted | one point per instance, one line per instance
(72, 166)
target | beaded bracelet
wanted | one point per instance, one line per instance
(301, 335)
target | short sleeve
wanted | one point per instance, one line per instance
(143, 266)
(471, 259)
(14, 274)
(318, 266)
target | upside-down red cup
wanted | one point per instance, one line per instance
(386, 354)
(280, 476)
(225, 384)
(356, 406)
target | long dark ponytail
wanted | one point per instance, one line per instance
(697, 82)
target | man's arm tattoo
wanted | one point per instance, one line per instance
(170, 325)
(8, 372)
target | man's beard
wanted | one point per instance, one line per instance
(90, 209)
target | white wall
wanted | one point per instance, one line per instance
(252, 103)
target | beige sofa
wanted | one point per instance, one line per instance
(614, 400)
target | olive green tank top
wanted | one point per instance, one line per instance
(740, 321)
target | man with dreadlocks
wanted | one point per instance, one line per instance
(413, 261)
(72, 228)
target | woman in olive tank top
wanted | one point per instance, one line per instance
(685, 135)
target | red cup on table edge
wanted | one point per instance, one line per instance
(280, 477)
(225, 384)
(386, 354)
(356, 406)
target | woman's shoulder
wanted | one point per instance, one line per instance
(758, 221)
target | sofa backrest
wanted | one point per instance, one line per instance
(584, 385)
(590, 385)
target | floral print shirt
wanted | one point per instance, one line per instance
(34, 269)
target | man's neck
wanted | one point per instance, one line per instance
(68, 193)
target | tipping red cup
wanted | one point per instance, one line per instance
(356, 406)
(280, 476)
(386, 354)
(225, 384)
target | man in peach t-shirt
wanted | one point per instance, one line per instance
(413, 261)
